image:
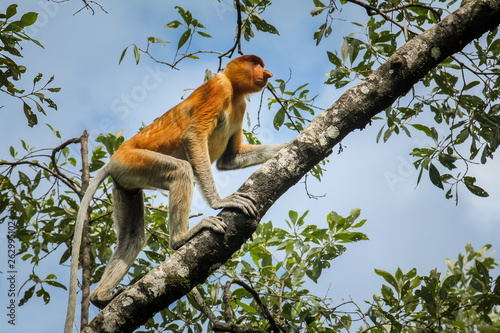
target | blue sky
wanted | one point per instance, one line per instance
(407, 226)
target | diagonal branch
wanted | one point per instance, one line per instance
(256, 297)
(201, 256)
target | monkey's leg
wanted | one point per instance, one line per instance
(181, 188)
(167, 173)
(129, 221)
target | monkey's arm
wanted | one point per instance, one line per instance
(196, 146)
(239, 155)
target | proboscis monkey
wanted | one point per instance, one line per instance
(170, 154)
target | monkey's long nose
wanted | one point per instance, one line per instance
(268, 74)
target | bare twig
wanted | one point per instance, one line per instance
(56, 167)
(237, 43)
(87, 4)
(370, 10)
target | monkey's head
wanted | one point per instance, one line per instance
(247, 74)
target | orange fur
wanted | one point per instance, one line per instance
(221, 99)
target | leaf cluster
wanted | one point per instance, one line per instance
(461, 93)
(279, 262)
(11, 35)
(466, 300)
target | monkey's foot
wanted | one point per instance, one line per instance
(213, 223)
(103, 302)
(238, 200)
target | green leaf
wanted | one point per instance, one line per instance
(32, 119)
(429, 300)
(317, 11)
(246, 307)
(11, 11)
(334, 59)
(474, 189)
(435, 176)
(184, 38)
(422, 128)
(344, 50)
(137, 54)
(204, 34)
(123, 55)
(262, 25)
(173, 25)
(56, 284)
(451, 281)
(153, 40)
(318, 35)
(476, 284)
(29, 18)
(387, 276)
(483, 271)
(315, 272)
(279, 118)
(471, 85)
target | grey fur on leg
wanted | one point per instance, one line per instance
(129, 221)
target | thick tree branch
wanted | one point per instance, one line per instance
(196, 260)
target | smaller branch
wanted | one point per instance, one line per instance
(192, 54)
(237, 43)
(204, 308)
(174, 64)
(226, 299)
(284, 108)
(87, 6)
(370, 10)
(54, 162)
(217, 324)
(36, 164)
(264, 309)
(408, 5)
(360, 312)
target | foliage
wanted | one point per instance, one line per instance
(11, 35)
(278, 264)
(466, 300)
(456, 105)
(462, 92)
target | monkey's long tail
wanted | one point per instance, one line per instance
(101, 175)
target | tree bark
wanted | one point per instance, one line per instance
(196, 260)
(84, 318)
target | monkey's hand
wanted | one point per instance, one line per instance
(241, 201)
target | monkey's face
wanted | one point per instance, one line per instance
(247, 73)
(261, 76)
